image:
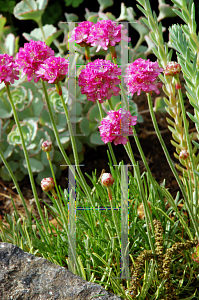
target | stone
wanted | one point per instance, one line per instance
(24, 276)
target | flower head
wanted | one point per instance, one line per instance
(172, 68)
(116, 126)
(47, 184)
(46, 146)
(106, 33)
(53, 69)
(107, 179)
(99, 79)
(8, 69)
(142, 75)
(31, 57)
(81, 32)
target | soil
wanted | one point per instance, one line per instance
(97, 159)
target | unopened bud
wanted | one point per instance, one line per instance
(172, 69)
(107, 179)
(183, 154)
(46, 146)
(47, 184)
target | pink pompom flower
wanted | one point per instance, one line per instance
(99, 79)
(8, 69)
(53, 69)
(81, 32)
(31, 57)
(116, 126)
(106, 33)
(142, 75)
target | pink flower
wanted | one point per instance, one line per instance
(81, 32)
(99, 79)
(142, 75)
(53, 69)
(31, 57)
(116, 126)
(8, 69)
(106, 33)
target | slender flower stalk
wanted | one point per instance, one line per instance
(16, 185)
(107, 180)
(47, 147)
(135, 137)
(79, 178)
(27, 160)
(126, 104)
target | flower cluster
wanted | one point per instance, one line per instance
(142, 75)
(116, 126)
(31, 57)
(81, 33)
(103, 34)
(99, 79)
(53, 69)
(106, 33)
(8, 69)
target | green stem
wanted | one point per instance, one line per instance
(53, 174)
(79, 178)
(59, 203)
(86, 188)
(16, 185)
(87, 53)
(110, 104)
(143, 156)
(135, 136)
(27, 161)
(171, 165)
(148, 216)
(126, 104)
(144, 201)
(139, 42)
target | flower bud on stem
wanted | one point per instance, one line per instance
(108, 180)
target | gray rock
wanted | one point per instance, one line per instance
(24, 276)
